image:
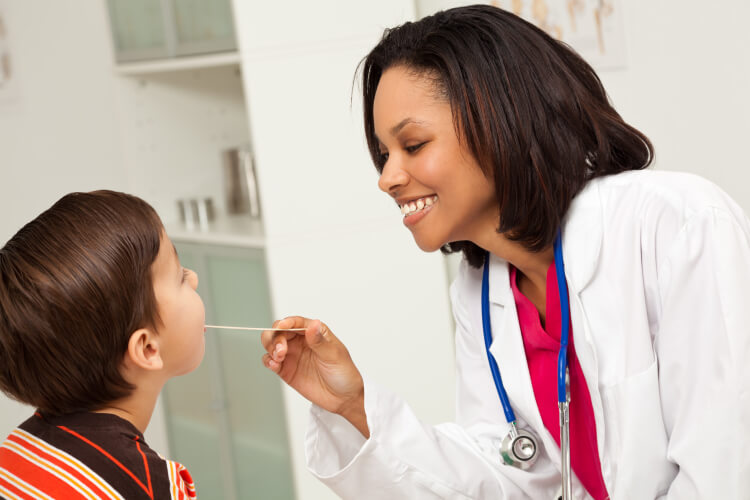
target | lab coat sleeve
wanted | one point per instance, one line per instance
(703, 351)
(402, 460)
(406, 459)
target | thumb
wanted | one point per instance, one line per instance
(321, 340)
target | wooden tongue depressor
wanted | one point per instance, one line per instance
(257, 329)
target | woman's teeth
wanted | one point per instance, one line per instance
(417, 205)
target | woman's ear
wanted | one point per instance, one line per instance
(143, 350)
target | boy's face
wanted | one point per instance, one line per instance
(182, 329)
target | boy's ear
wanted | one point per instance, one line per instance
(143, 350)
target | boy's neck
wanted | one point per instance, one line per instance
(137, 407)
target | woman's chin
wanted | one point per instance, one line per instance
(428, 244)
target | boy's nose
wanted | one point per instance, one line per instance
(193, 279)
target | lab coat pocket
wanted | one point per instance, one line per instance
(635, 449)
(427, 487)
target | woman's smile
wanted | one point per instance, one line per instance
(413, 211)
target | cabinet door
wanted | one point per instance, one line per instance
(159, 29)
(231, 402)
(138, 29)
(255, 408)
(201, 27)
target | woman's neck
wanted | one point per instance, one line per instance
(532, 267)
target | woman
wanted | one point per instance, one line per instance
(499, 142)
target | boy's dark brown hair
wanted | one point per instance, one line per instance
(75, 283)
(531, 111)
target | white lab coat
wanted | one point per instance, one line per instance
(658, 269)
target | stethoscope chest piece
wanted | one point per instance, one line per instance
(519, 449)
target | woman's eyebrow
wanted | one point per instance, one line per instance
(406, 121)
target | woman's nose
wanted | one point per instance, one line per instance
(393, 177)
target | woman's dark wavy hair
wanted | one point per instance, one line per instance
(533, 113)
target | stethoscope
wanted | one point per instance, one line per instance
(520, 448)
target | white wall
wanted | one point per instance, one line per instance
(687, 86)
(58, 132)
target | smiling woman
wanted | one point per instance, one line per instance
(531, 114)
(497, 141)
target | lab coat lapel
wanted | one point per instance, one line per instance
(582, 236)
(582, 241)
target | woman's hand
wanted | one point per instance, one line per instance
(318, 366)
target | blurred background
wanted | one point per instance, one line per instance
(240, 122)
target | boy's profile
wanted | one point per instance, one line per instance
(96, 314)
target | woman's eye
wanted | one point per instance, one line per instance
(414, 148)
(380, 164)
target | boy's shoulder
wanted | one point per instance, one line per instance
(86, 455)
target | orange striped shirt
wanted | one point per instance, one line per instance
(86, 456)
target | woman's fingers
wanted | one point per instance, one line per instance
(318, 337)
(321, 340)
(271, 364)
(270, 338)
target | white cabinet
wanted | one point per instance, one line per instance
(161, 29)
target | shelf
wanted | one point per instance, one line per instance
(178, 64)
(238, 230)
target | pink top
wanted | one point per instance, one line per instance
(542, 344)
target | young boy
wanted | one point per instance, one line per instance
(96, 314)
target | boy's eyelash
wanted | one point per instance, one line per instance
(185, 273)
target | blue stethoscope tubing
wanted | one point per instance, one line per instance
(563, 398)
(562, 357)
(562, 288)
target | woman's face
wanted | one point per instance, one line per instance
(436, 182)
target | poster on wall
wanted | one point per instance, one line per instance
(8, 78)
(594, 28)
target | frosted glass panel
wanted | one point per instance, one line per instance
(226, 420)
(256, 410)
(137, 28)
(202, 26)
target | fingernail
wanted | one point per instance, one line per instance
(277, 349)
